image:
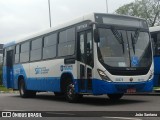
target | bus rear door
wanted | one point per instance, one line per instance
(9, 69)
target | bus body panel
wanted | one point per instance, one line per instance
(8, 80)
(43, 76)
(155, 35)
(156, 80)
(104, 87)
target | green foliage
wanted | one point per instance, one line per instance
(2, 88)
(147, 9)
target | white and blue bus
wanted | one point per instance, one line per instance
(155, 35)
(95, 54)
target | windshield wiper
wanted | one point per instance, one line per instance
(118, 36)
(134, 39)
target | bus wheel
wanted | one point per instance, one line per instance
(71, 96)
(57, 94)
(115, 97)
(23, 92)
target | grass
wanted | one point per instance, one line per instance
(2, 88)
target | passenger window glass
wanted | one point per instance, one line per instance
(50, 46)
(66, 44)
(25, 47)
(50, 40)
(36, 44)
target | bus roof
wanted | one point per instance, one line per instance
(86, 17)
(154, 29)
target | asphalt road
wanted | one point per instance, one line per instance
(48, 102)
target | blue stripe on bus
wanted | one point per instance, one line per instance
(18, 70)
(156, 79)
(104, 87)
(44, 84)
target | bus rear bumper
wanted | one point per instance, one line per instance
(103, 87)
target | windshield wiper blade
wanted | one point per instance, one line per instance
(134, 39)
(136, 35)
(118, 36)
(133, 43)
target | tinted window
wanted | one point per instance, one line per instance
(62, 37)
(50, 46)
(66, 44)
(89, 49)
(36, 54)
(66, 48)
(50, 40)
(17, 49)
(1, 51)
(71, 34)
(67, 35)
(16, 58)
(25, 47)
(156, 43)
(36, 44)
(17, 54)
(24, 55)
(36, 50)
(4, 52)
(49, 52)
(82, 55)
(4, 56)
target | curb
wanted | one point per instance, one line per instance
(8, 92)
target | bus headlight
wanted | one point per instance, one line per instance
(103, 75)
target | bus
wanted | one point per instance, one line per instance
(94, 54)
(155, 36)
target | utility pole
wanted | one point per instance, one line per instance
(49, 13)
(107, 6)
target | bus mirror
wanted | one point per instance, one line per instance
(96, 36)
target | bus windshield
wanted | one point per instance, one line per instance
(124, 48)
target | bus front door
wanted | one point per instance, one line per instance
(85, 56)
(9, 64)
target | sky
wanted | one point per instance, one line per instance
(20, 18)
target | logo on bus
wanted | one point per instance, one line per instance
(66, 67)
(135, 61)
(41, 70)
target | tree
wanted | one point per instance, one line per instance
(147, 9)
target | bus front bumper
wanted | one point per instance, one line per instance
(100, 87)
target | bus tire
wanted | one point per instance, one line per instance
(115, 97)
(57, 94)
(23, 92)
(71, 96)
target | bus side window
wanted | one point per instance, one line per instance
(17, 54)
(82, 55)
(89, 49)
(24, 52)
(4, 57)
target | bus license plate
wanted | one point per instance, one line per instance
(131, 90)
